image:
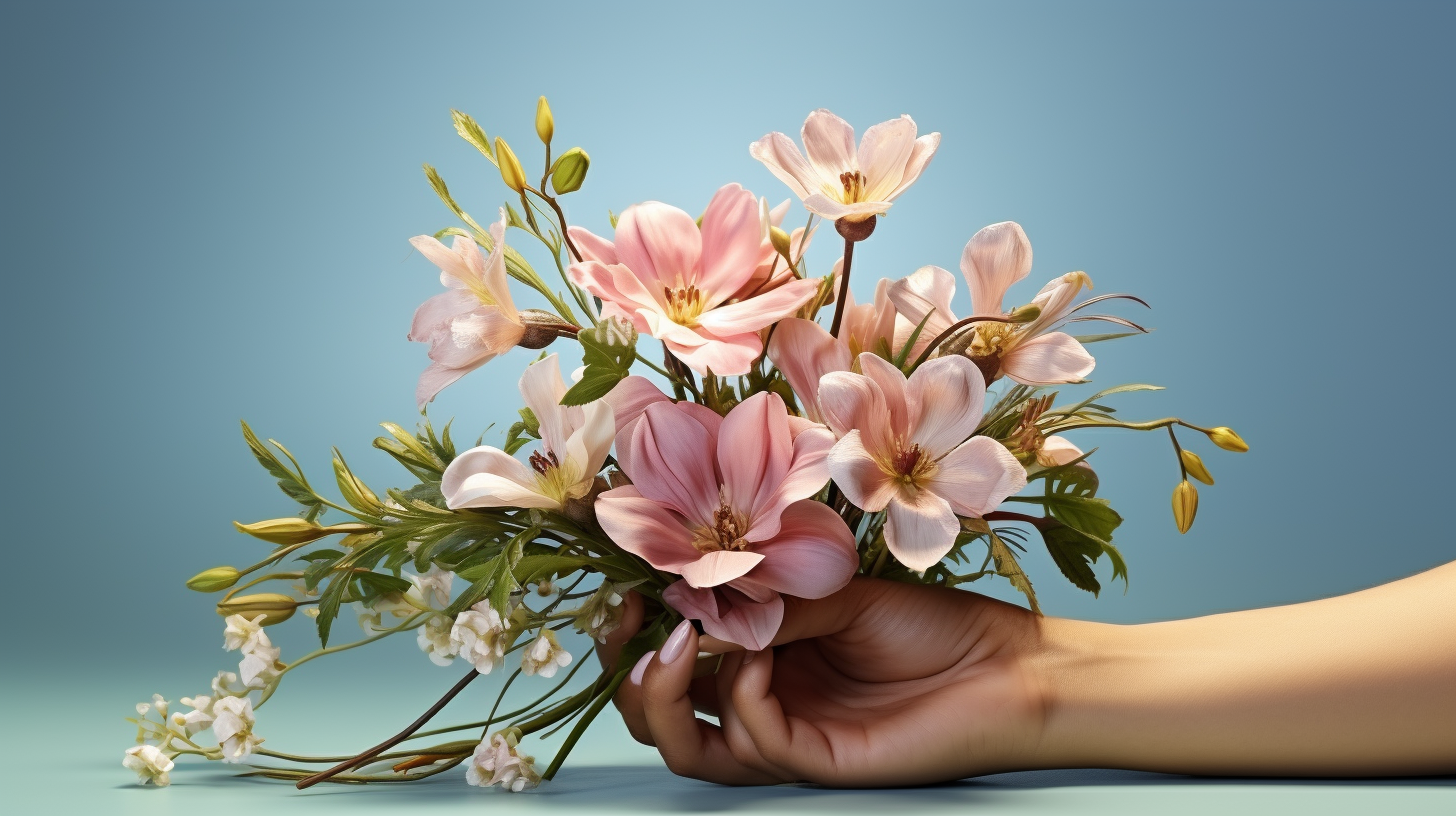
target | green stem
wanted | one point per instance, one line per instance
(585, 721)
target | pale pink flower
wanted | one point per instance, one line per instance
(994, 259)
(725, 503)
(473, 323)
(1056, 451)
(772, 271)
(838, 181)
(676, 282)
(575, 440)
(904, 448)
(497, 761)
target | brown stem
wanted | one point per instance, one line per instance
(952, 329)
(561, 216)
(843, 288)
(1006, 515)
(310, 781)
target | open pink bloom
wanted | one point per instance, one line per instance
(725, 503)
(839, 182)
(996, 257)
(1056, 451)
(903, 448)
(675, 281)
(575, 440)
(472, 323)
(772, 270)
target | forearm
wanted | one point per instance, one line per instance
(1363, 684)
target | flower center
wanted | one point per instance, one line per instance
(551, 478)
(726, 533)
(990, 339)
(854, 186)
(910, 466)
(684, 304)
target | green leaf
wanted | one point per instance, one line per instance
(290, 480)
(329, 603)
(1084, 339)
(1074, 554)
(472, 132)
(596, 382)
(1008, 568)
(608, 356)
(443, 191)
(535, 568)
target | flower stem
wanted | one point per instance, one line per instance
(591, 713)
(843, 288)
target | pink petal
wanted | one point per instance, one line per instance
(1057, 451)
(671, 462)
(727, 356)
(488, 477)
(782, 158)
(437, 377)
(920, 156)
(718, 567)
(542, 389)
(593, 247)
(660, 244)
(947, 393)
(855, 402)
(895, 389)
(977, 476)
(804, 352)
(812, 556)
(1055, 300)
(858, 475)
(754, 448)
(453, 269)
(758, 312)
(439, 311)
(807, 473)
(829, 144)
(493, 270)
(832, 210)
(920, 529)
(926, 292)
(630, 397)
(1047, 360)
(484, 330)
(623, 292)
(732, 238)
(646, 529)
(727, 614)
(995, 257)
(884, 151)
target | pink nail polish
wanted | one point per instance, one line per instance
(673, 648)
(637, 670)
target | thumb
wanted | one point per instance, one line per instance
(805, 618)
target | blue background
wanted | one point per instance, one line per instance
(205, 216)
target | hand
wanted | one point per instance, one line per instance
(879, 684)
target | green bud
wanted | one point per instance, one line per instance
(1193, 463)
(569, 171)
(215, 579)
(510, 166)
(284, 530)
(545, 125)
(274, 607)
(1228, 440)
(1025, 314)
(1185, 505)
(781, 242)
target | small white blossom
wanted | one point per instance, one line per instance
(241, 633)
(200, 717)
(226, 684)
(150, 764)
(233, 726)
(544, 655)
(497, 762)
(601, 615)
(434, 640)
(431, 590)
(479, 636)
(258, 667)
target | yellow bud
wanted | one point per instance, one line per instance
(274, 607)
(510, 166)
(569, 171)
(1025, 314)
(1185, 505)
(545, 125)
(217, 578)
(1228, 440)
(1193, 463)
(284, 530)
(780, 241)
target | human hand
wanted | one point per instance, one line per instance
(879, 684)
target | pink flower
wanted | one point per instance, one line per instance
(839, 182)
(675, 281)
(575, 440)
(903, 448)
(725, 503)
(996, 257)
(475, 321)
(772, 270)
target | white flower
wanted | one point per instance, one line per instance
(602, 613)
(225, 684)
(233, 727)
(150, 764)
(258, 667)
(435, 641)
(241, 633)
(479, 636)
(544, 655)
(431, 590)
(496, 762)
(200, 717)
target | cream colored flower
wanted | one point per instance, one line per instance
(498, 762)
(150, 765)
(602, 613)
(226, 684)
(259, 667)
(434, 640)
(241, 633)
(479, 635)
(200, 717)
(233, 726)
(544, 656)
(431, 590)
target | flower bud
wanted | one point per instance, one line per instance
(1228, 440)
(856, 231)
(1025, 314)
(1185, 505)
(569, 171)
(542, 329)
(284, 530)
(510, 166)
(215, 579)
(1193, 463)
(545, 125)
(274, 607)
(781, 242)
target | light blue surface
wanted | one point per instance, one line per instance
(204, 218)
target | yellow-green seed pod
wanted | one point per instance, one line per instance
(275, 608)
(215, 579)
(569, 171)
(781, 242)
(1025, 314)
(1228, 440)
(1193, 463)
(510, 166)
(1185, 505)
(284, 530)
(545, 125)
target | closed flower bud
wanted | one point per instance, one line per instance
(780, 241)
(1185, 505)
(510, 166)
(1228, 440)
(1025, 314)
(284, 530)
(1193, 463)
(274, 607)
(545, 125)
(569, 171)
(215, 579)
(542, 329)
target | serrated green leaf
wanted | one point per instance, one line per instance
(1074, 554)
(1009, 568)
(596, 382)
(438, 184)
(472, 132)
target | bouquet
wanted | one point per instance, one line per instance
(740, 429)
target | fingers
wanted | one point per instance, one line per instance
(689, 746)
(791, 744)
(807, 619)
(608, 649)
(740, 743)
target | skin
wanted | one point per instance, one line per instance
(886, 684)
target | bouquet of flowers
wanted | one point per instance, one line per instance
(740, 430)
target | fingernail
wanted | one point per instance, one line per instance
(673, 648)
(748, 658)
(637, 670)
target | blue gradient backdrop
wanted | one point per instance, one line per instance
(205, 215)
